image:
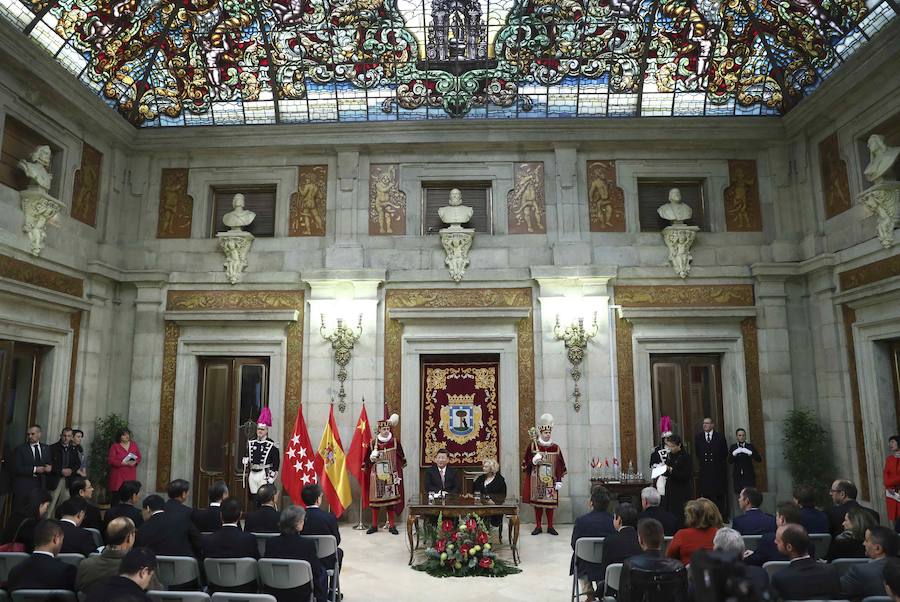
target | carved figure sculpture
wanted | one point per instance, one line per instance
(238, 217)
(881, 158)
(600, 203)
(37, 168)
(310, 196)
(882, 199)
(675, 211)
(523, 201)
(37, 204)
(387, 203)
(455, 214)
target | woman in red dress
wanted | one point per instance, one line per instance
(123, 458)
(892, 477)
(701, 521)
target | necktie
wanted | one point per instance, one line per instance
(709, 437)
(37, 454)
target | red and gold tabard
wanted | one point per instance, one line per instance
(539, 486)
(385, 475)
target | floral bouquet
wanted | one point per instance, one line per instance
(461, 549)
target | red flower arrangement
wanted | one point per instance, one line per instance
(461, 548)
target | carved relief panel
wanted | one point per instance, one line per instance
(835, 184)
(387, 203)
(87, 186)
(606, 201)
(742, 209)
(307, 212)
(525, 202)
(175, 205)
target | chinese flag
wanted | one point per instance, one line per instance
(299, 466)
(333, 473)
(358, 452)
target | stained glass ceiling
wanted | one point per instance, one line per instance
(227, 62)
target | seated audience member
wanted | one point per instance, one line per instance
(129, 497)
(787, 513)
(624, 542)
(76, 540)
(264, 519)
(804, 579)
(167, 533)
(119, 537)
(230, 541)
(136, 574)
(319, 522)
(753, 521)
(177, 490)
(596, 523)
(650, 500)
(491, 484)
(730, 541)
(290, 544)
(649, 576)
(82, 488)
(42, 570)
(850, 542)
(843, 495)
(892, 578)
(862, 580)
(21, 523)
(209, 519)
(701, 521)
(812, 519)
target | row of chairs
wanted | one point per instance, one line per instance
(62, 595)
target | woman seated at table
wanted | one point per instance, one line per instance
(492, 484)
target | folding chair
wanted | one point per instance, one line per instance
(43, 595)
(877, 599)
(71, 558)
(277, 573)
(843, 564)
(226, 597)
(773, 566)
(98, 537)
(589, 549)
(261, 541)
(326, 545)
(7, 561)
(177, 570)
(665, 544)
(751, 542)
(611, 580)
(821, 542)
(173, 596)
(229, 573)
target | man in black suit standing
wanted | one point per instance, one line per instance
(210, 519)
(31, 465)
(843, 495)
(319, 522)
(43, 570)
(65, 462)
(711, 450)
(804, 579)
(265, 519)
(77, 540)
(650, 500)
(596, 523)
(440, 477)
(129, 497)
(168, 533)
(290, 544)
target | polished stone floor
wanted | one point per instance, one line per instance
(375, 570)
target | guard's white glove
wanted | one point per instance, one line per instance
(558, 485)
(245, 460)
(536, 459)
(373, 456)
(737, 451)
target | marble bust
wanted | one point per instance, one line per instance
(881, 158)
(455, 214)
(238, 217)
(675, 211)
(37, 168)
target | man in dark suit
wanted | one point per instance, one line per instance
(136, 573)
(863, 580)
(843, 495)
(65, 462)
(43, 570)
(210, 519)
(290, 544)
(623, 543)
(81, 488)
(229, 541)
(812, 519)
(651, 569)
(440, 477)
(319, 522)
(76, 540)
(787, 513)
(805, 578)
(177, 491)
(742, 455)
(711, 450)
(265, 519)
(596, 523)
(129, 498)
(168, 533)
(650, 500)
(31, 465)
(753, 521)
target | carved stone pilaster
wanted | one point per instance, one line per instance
(39, 208)
(236, 247)
(883, 201)
(457, 242)
(679, 239)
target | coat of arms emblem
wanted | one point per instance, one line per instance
(461, 418)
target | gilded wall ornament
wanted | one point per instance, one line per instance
(679, 239)
(606, 201)
(22, 271)
(869, 273)
(342, 339)
(307, 211)
(849, 317)
(742, 206)
(835, 183)
(576, 339)
(176, 206)
(235, 243)
(86, 195)
(525, 202)
(387, 203)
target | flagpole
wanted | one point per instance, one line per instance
(359, 524)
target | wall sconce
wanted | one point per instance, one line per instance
(342, 340)
(576, 339)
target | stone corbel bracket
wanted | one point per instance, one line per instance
(39, 208)
(883, 201)
(457, 242)
(236, 247)
(679, 239)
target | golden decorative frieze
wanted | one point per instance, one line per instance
(307, 208)
(75, 325)
(754, 397)
(194, 300)
(849, 317)
(525, 361)
(728, 295)
(525, 202)
(606, 201)
(387, 203)
(869, 273)
(86, 195)
(625, 370)
(742, 206)
(167, 406)
(22, 271)
(460, 298)
(835, 183)
(176, 206)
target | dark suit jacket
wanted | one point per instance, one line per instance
(712, 463)
(41, 572)
(743, 474)
(450, 484)
(754, 522)
(170, 534)
(263, 520)
(320, 522)
(58, 462)
(296, 548)
(845, 546)
(592, 524)
(207, 519)
(757, 576)
(814, 520)
(656, 563)
(619, 546)
(24, 479)
(668, 520)
(176, 507)
(76, 540)
(123, 509)
(120, 589)
(862, 580)
(766, 550)
(93, 519)
(836, 516)
(807, 579)
(230, 542)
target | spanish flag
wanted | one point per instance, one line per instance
(333, 473)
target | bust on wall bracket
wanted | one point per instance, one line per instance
(679, 237)
(455, 239)
(235, 243)
(882, 199)
(37, 204)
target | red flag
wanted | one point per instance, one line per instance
(299, 467)
(358, 452)
(333, 469)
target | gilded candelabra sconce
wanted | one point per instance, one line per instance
(576, 339)
(342, 340)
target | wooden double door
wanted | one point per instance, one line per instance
(231, 394)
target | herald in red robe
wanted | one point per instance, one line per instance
(397, 462)
(531, 486)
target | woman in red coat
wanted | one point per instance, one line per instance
(123, 458)
(892, 477)
(701, 521)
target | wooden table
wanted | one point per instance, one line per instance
(620, 489)
(454, 506)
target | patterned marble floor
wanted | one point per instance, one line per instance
(376, 571)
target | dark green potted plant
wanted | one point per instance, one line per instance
(105, 430)
(808, 452)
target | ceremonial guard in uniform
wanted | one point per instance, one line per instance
(263, 458)
(742, 454)
(544, 469)
(384, 474)
(659, 454)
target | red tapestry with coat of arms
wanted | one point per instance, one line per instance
(460, 411)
